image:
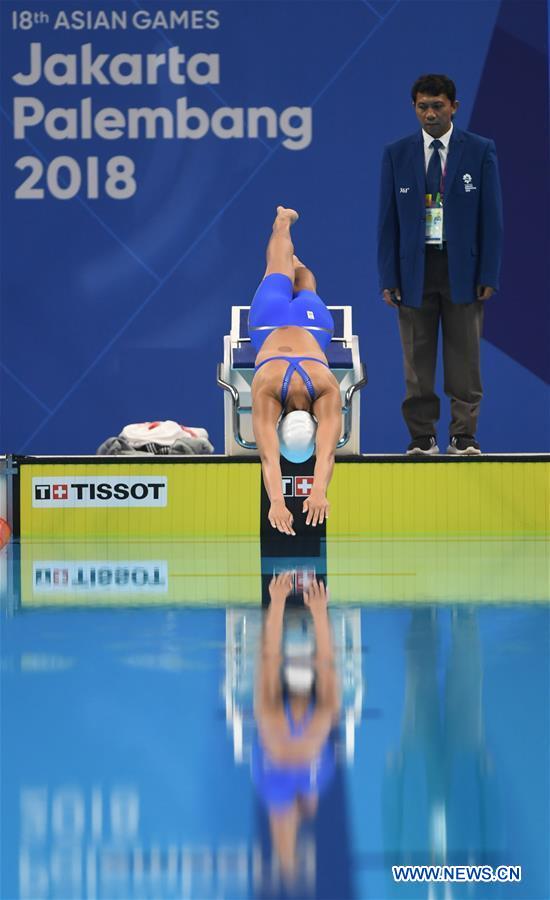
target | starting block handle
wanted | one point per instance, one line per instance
(236, 408)
(346, 409)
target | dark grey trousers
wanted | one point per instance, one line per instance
(461, 326)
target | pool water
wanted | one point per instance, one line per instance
(129, 730)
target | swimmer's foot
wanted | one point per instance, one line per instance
(297, 263)
(290, 214)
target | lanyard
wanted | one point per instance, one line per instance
(442, 181)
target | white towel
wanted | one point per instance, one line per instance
(165, 433)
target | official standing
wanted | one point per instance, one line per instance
(439, 252)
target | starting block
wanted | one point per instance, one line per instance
(236, 372)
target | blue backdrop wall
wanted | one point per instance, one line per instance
(137, 197)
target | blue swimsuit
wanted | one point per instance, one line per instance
(294, 366)
(279, 784)
(274, 306)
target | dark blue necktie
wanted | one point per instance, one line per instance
(433, 175)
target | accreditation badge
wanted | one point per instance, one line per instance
(434, 222)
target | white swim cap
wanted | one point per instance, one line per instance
(298, 660)
(298, 677)
(297, 436)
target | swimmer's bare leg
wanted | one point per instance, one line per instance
(280, 249)
(304, 279)
(284, 839)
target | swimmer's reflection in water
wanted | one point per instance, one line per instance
(297, 704)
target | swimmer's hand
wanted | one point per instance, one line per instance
(280, 517)
(316, 596)
(317, 508)
(280, 587)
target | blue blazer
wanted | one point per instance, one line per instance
(472, 216)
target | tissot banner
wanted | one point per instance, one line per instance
(145, 149)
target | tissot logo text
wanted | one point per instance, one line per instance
(42, 491)
(87, 576)
(288, 486)
(103, 490)
(297, 485)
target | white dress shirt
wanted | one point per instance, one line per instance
(443, 151)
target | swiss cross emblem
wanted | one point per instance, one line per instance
(304, 577)
(60, 492)
(303, 485)
(60, 576)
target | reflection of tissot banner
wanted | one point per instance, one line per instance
(91, 576)
(103, 490)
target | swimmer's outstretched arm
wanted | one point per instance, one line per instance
(284, 748)
(328, 412)
(268, 685)
(265, 415)
(316, 598)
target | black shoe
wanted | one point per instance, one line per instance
(463, 445)
(425, 445)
